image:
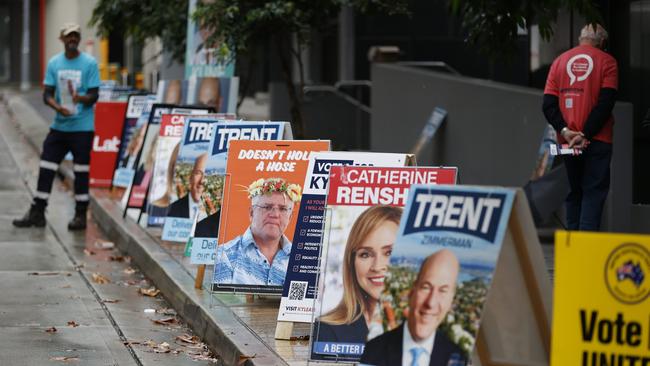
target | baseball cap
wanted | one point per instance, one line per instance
(68, 28)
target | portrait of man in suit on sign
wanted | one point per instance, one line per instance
(417, 342)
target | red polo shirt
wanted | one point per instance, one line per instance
(576, 78)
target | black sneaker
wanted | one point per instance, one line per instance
(78, 222)
(34, 217)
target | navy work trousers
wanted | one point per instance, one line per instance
(589, 181)
(56, 145)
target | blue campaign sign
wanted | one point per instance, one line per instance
(204, 250)
(177, 229)
(338, 348)
(471, 213)
(476, 213)
(195, 142)
(245, 131)
(123, 177)
(452, 230)
(198, 131)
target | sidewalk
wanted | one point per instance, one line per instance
(70, 297)
(239, 328)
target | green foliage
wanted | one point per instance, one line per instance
(242, 23)
(145, 19)
(238, 25)
(492, 25)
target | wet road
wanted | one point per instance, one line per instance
(71, 298)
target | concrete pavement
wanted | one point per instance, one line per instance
(65, 297)
(239, 328)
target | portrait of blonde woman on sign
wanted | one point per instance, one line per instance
(170, 191)
(368, 248)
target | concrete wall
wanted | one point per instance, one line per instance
(58, 12)
(492, 132)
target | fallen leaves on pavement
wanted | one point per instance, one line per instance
(89, 252)
(189, 341)
(73, 324)
(244, 358)
(64, 358)
(186, 338)
(151, 291)
(115, 301)
(203, 356)
(50, 330)
(163, 347)
(201, 353)
(116, 258)
(165, 321)
(100, 278)
(129, 270)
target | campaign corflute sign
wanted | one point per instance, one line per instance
(261, 175)
(162, 190)
(297, 304)
(440, 272)
(137, 115)
(364, 209)
(205, 228)
(601, 302)
(195, 142)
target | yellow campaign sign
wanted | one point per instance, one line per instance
(601, 304)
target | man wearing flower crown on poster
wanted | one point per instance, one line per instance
(261, 254)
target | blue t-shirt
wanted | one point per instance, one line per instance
(67, 76)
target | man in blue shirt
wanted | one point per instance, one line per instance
(261, 254)
(70, 88)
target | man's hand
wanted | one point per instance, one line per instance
(576, 139)
(75, 98)
(569, 135)
(65, 112)
(579, 142)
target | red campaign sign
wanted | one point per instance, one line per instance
(109, 120)
(365, 186)
(172, 125)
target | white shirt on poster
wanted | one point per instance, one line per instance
(409, 343)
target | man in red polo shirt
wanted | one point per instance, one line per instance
(579, 96)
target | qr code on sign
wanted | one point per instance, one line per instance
(297, 290)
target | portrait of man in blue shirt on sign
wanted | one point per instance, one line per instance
(261, 254)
